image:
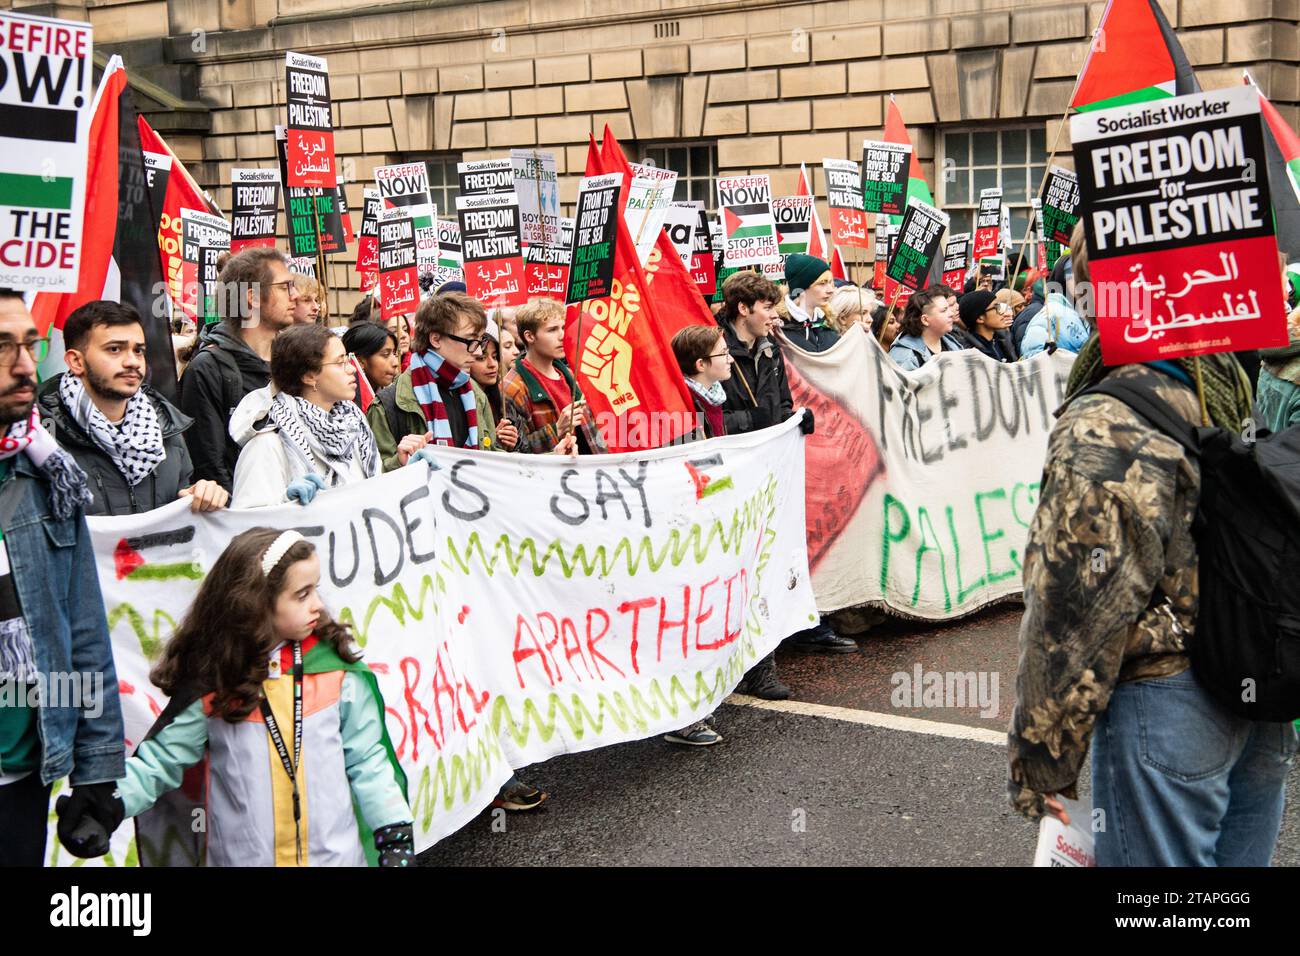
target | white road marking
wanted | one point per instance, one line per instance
(874, 719)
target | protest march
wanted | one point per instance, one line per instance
(360, 500)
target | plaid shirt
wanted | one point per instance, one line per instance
(535, 415)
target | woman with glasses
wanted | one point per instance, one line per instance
(304, 433)
(988, 325)
(436, 401)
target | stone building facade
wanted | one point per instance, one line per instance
(705, 86)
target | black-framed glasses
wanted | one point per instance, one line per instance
(287, 283)
(479, 344)
(36, 348)
(713, 355)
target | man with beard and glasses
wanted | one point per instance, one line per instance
(124, 435)
(53, 635)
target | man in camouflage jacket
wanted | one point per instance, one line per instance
(1110, 589)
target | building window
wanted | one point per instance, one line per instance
(972, 160)
(696, 165)
(444, 186)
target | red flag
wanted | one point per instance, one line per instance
(816, 237)
(620, 351)
(365, 394)
(182, 193)
(678, 302)
(117, 244)
(838, 270)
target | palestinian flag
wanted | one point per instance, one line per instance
(677, 297)
(365, 394)
(896, 132)
(1134, 57)
(747, 221)
(1283, 148)
(838, 269)
(182, 193)
(816, 236)
(119, 253)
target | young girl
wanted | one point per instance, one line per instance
(266, 688)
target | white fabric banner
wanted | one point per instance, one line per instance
(921, 484)
(514, 607)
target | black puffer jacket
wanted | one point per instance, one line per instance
(208, 398)
(758, 393)
(113, 496)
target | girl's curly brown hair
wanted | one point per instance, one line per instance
(225, 639)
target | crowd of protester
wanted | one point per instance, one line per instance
(269, 412)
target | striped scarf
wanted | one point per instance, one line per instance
(428, 371)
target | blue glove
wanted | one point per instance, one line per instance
(304, 489)
(426, 456)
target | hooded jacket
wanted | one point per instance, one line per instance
(910, 352)
(209, 395)
(1059, 322)
(1277, 400)
(265, 469)
(401, 393)
(758, 393)
(816, 335)
(113, 496)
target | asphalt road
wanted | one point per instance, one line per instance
(792, 789)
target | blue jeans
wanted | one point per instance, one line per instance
(1184, 782)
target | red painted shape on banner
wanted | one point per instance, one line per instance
(126, 559)
(841, 462)
(1217, 297)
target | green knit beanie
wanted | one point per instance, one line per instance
(802, 271)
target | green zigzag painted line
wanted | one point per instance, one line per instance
(149, 643)
(397, 603)
(758, 508)
(456, 778)
(633, 712)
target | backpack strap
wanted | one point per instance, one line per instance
(1155, 411)
(232, 382)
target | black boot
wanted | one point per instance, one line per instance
(761, 681)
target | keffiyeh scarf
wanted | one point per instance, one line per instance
(428, 370)
(336, 437)
(136, 446)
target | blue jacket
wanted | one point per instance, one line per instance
(53, 568)
(910, 352)
(1072, 332)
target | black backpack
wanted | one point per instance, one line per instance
(1245, 649)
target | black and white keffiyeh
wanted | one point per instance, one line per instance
(136, 445)
(335, 437)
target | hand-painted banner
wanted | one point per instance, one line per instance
(1181, 237)
(310, 145)
(512, 607)
(47, 87)
(922, 484)
(254, 205)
